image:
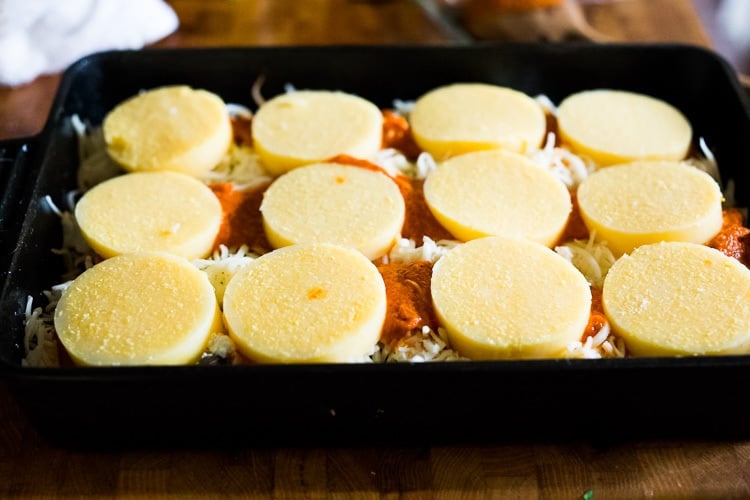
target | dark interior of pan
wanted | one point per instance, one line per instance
(608, 399)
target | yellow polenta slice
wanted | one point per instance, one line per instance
(464, 117)
(614, 126)
(169, 128)
(306, 304)
(679, 299)
(497, 193)
(332, 203)
(646, 202)
(503, 298)
(138, 309)
(160, 211)
(310, 126)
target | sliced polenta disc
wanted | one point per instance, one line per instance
(497, 193)
(138, 309)
(646, 202)
(150, 211)
(615, 126)
(306, 304)
(502, 298)
(465, 117)
(333, 203)
(169, 128)
(679, 299)
(309, 126)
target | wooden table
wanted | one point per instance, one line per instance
(31, 467)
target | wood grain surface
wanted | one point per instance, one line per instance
(30, 467)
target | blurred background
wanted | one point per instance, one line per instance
(726, 22)
(44, 36)
(40, 38)
(728, 25)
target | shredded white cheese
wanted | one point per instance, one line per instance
(601, 345)
(592, 258)
(223, 265)
(547, 104)
(569, 168)
(423, 346)
(95, 164)
(395, 163)
(77, 255)
(40, 338)
(403, 108)
(240, 166)
(406, 250)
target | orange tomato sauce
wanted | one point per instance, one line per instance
(242, 223)
(575, 229)
(397, 135)
(733, 237)
(597, 319)
(242, 130)
(409, 300)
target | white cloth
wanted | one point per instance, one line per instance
(45, 36)
(733, 16)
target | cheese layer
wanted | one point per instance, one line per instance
(614, 126)
(142, 211)
(646, 202)
(169, 128)
(679, 299)
(306, 304)
(310, 126)
(497, 193)
(501, 298)
(332, 203)
(465, 117)
(138, 309)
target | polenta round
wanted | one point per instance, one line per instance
(616, 126)
(138, 309)
(497, 193)
(334, 203)
(679, 299)
(310, 126)
(503, 298)
(306, 304)
(150, 211)
(464, 117)
(169, 128)
(646, 202)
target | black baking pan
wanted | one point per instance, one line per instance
(450, 402)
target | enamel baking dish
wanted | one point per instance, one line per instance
(449, 402)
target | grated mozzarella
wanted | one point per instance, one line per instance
(395, 163)
(423, 346)
(593, 259)
(601, 345)
(76, 254)
(406, 250)
(40, 338)
(569, 168)
(547, 104)
(240, 166)
(402, 107)
(95, 165)
(223, 265)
